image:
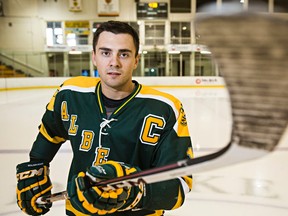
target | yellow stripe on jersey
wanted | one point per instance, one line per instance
(150, 91)
(157, 213)
(50, 105)
(179, 200)
(118, 109)
(188, 180)
(98, 98)
(82, 82)
(55, 139)
(181, 126)
(182, 123)
(136, 92)
(190, 153)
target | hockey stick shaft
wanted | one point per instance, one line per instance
(158, 174)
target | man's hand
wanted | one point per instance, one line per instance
(91, 199)
(33, 182)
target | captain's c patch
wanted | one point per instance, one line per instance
(148, 135)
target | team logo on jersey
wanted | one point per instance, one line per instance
(183, 120)
(150, 124)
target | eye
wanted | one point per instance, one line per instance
(105, 53)
(124, 55)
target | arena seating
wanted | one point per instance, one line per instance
(8, 71)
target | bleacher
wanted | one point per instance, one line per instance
(8, 71)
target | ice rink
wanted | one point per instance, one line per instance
(257, 187)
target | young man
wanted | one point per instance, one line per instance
(116, 126)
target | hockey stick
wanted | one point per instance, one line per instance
(251, 51)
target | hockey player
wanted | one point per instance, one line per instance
(116, 126)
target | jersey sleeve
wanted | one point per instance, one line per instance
(175, 144)
(51, 133)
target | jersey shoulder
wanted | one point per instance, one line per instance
(81, 82)
(152, 93)
(75, 84)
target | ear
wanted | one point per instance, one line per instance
(94, 58)
(136, 61)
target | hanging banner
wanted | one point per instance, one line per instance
(75, 5)
(77, 27)
(108, 7)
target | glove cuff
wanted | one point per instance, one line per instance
(31, 169)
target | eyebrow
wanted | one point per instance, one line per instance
(120, 50)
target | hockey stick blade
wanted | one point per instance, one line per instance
(251, 51)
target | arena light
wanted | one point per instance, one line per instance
(75, 52)
(153, 5)
(173, 52)
(205, 52)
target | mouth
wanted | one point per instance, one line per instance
(113, 73)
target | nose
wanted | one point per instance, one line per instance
(114, 61)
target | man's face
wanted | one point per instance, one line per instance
(115, 60)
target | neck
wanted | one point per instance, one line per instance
(116, 94)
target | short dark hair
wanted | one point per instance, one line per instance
(117, 27)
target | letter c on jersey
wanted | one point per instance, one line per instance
(148, 135)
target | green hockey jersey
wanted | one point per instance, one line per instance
(147, 130)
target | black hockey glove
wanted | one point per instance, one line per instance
(33, 182)
(90, 199)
